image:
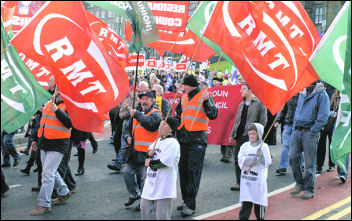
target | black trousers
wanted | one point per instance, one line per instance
(190, 170)
(236, 150)
(321, 150)
(39, 166)
(64, 169)
(246, 211)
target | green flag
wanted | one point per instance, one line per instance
(328, 58)
(142, 23)
(21, 94)
(117, 7)
(198, 23)
(341, 140)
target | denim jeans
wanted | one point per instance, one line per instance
(123, 154)
(307, 142)
(340, 172)
(8, 147)
(50, 177)
(286, 135)
(134, 176)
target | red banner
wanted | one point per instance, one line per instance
(227, 99)
(186, 44)
(132, 61)
(18, 13)
(181, 67)
(151, 64)
(270, 43)
(111, 41)
(170, 15)
(89, 80)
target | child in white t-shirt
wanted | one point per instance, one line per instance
(254, 159)
(160, 185)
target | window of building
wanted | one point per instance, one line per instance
(102, 14)
(318, 15)
(97, 13)
(109, 14)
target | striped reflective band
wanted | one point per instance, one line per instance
(50, 116)
(64, 129)
(195, 119)
(142, 143)
(193, 108)
(137, 126)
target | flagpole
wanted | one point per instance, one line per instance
(3, 50)
(135, 82)
(183, 77)
(266, 136)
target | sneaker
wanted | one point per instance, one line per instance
(114, 167)
(36, 188)
(235, 187)
(16, 162)
(187, 211)
(343, 179)
(281, 172)
(296, 190)
(331, 169)
(40, 210)
(181, 207)
(61, 199)
(307, 195)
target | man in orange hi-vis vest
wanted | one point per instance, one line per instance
(196, 108)
(140, 132)
(53, 141)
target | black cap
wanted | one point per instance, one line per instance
(146, 93)
(191, 80)
(217, 79)
(173, 123)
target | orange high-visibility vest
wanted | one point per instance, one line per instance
(189, 112)
(51, 126)
(143, 138)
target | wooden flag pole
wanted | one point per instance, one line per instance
(135, 82)
(3, 50)
(266, 136)
(183, 77)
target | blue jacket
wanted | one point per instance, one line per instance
(312, 111)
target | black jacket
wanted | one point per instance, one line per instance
(35, 126)
(58, 145)
(288, 111)
(196, 137)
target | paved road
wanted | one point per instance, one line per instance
(102, 193)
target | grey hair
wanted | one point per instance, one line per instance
(144, 83)
(160, 88)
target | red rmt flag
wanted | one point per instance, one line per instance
(170, 15)
(90, 81)
(270, 43)
(111, 41)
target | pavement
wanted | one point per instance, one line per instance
(101, 192)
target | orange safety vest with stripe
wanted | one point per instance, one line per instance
(51, 126)
(143, 138)
(189, 113)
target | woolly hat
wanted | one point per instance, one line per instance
(191, 80)
(173, 123)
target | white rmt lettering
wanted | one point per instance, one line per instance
(96, 86)
(43, 71)
(103, 32)
(17, 88)
(249, 21)
(75, 69)
(279, 62)
(259, 42)
(62, 46)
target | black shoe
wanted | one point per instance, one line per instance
(16, 162)
(26, 171)
(138, 207)
(95, 149)
(281, 172)
(131, 201)
(75, 155)
(36, 170)
(343, 179)
(3, 191)
(24, 151)
(80, 172)
(113, 160)
(5, 165)
(331, 169)
(114, 167)
(319, 171)
(181, 207)
(36, 188)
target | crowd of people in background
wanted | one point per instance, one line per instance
(304, 130)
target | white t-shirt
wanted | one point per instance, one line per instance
(253, 183)
(161, 184)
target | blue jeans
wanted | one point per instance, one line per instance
(134, 176)
(307, 142)
(8, 147)
(286, 135)
(340, 172)
(123, 154)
